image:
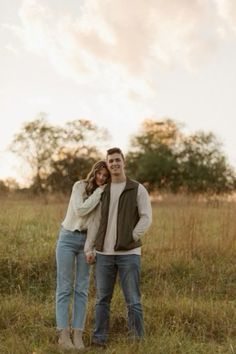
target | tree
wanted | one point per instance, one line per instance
(164, 158)
(153, 155)
(3, 188)
(203, 165)
(53, 152)
(35, 144)
(71, 167)
(11, 184)
(154, 133)
(77, 154)
(84, 135)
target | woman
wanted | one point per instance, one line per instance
(72, 268)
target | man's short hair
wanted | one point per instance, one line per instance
(115, 150)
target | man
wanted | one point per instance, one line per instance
(124, 216)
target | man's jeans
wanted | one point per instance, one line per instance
(107, 267)
(72, 277)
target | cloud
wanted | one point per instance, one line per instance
(12, 49)
(40, 101)
(227, 10)
(122, 44)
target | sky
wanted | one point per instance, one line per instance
(117, 63)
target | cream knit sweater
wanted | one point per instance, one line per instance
(80, 210)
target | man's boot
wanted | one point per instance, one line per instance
(78, 340)
(64, 339)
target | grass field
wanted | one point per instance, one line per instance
(188, 280)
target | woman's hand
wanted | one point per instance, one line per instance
(90, 258)
(103, 186)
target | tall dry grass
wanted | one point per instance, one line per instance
(188, 280)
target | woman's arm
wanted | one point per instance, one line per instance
(84, 207)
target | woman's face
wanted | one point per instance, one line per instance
(101, 176)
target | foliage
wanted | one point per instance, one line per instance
(153, 159)
(204, 167)
(82, 133)
(158, 168)
(11, 184)
(155, 133)
(57, 155)
(163, 157)
(35, 144)
(70, 167)
(3, 188)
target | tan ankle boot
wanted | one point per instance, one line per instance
(78, 340)
(64, 339)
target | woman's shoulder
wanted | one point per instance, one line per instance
(80, 184)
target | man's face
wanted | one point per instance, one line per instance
(115, 164)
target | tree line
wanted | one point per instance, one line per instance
(161, 156)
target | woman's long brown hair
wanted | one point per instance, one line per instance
(91, 177)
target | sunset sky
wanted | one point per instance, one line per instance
(117, 62)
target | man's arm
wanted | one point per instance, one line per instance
(145, 212)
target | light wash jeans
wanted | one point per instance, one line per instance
(107, 267)
(72, 277)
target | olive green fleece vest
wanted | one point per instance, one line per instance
(127, 218)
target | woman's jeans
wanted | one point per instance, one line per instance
(107, 267)
(72, 277)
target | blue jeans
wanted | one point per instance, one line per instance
(107, 267)
(72, 277)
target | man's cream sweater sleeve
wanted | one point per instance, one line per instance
(145, 212)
